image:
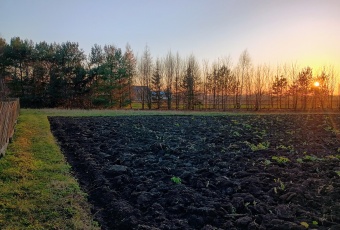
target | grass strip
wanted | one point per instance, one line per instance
(37, 190)
(146, 112)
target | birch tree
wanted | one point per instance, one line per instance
(169, 71)
(145, 71)
(243, 65)
(177, 83)
(130, 66)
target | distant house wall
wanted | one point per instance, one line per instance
(137, 93)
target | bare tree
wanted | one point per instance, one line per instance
(169, 65)
(332, 83)
(219, 83)
(293, 88)
(145, 71)
(243, 65)
(213, 83)
(226, 81)
(205, 82)
(178, 70)
(130, 68)
(248, 83)
(259, 86)
(285, 72)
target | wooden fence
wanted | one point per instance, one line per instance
(9, 112)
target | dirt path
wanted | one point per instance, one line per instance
(194, 172)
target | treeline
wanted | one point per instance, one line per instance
(62, 75)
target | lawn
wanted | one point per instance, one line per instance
(37, 189)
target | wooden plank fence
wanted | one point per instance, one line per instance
(9, 112)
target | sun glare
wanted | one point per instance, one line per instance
(316, 84)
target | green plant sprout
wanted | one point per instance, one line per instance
(176, 180)
(299, 160)
(235, 122)
(247, 126)
(280, 160)
(267, 162)
(236, 134)
(310, 158)
(304, 224)
(260, 134)
(333, 157)
(282, 186)
(259, 146)
(291, 132)
(283, 147)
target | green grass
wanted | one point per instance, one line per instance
(37, 190)
(106, 112)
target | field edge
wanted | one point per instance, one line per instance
(37, 188)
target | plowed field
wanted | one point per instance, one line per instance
(207, 172)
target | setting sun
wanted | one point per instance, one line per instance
(316, 84)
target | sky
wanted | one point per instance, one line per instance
(274, 32)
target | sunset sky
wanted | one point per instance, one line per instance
(273, 31)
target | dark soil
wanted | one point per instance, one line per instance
(229, 179)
